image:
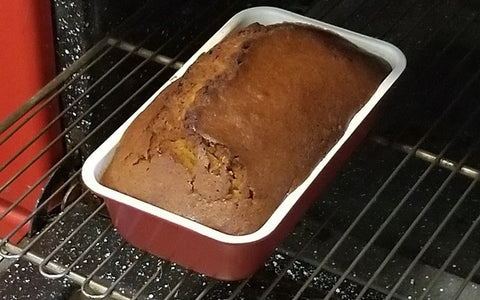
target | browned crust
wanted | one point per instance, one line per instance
(245, 125)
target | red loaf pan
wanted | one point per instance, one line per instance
(204, 249)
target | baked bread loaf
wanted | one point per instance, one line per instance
(245, 125)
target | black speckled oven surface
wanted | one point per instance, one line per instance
(399, 221)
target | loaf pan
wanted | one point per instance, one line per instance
(203, 249)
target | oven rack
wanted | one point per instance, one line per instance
(308, 262)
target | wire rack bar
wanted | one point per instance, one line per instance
(380, 289)
(79, 71)
(47, 265)
(433, 236)
(205, 291)
(469, 277)
(324, 13)
(75, 76)
(73, 276)
(90, 109)
(42, 269)
(239, 288)
(296, 256)
(157, 274)
(72, 70)
(412, 150)
(52, 269)
(4, 241)
(400, 205)
(451, 256)
(471, 172)
(145, 53)
(414, 223)
(74, 123)
(177, 286)
(51, 86)
(48, 272)
(430, 157)
(385, 184)
(112, 286)
(90, 58)
(85, 285)
(63, 112)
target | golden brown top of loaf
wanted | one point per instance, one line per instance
(224, 144)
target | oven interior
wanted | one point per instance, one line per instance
(399, 221)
